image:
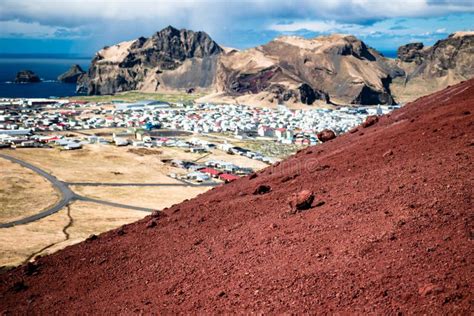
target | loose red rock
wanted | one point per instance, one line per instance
(326, 135)
(301, 201)
(370, 120)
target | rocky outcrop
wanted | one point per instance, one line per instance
(72, 75)
(412, 52)
(27, 76)
(170, 59)
(428, 69)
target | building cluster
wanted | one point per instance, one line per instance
(211, 169)
(282, 124)
(23, 117)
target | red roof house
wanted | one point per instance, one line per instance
(227, 177)
(211, 172)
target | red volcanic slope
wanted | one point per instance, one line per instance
(394, 234)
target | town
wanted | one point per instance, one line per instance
(195, 128)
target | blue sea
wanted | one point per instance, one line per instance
(48, 68)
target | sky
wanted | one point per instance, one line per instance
(81, 27)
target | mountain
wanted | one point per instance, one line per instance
(338, 69)
(170, 59)
(72, 75)
(428, 69)
(290, 69)
(376, 221)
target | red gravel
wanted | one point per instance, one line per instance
(392, 232)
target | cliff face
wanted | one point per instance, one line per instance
(293, 69)
(428, 69)
(141, 64)
(339, 69)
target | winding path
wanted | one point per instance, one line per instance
(68, 196)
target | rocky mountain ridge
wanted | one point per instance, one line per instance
(338, 69)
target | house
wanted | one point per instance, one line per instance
(280, 133)
(265, 131)
(198, 176)
(230, 167)
(198, 150)
(211, 172)
(227, 177)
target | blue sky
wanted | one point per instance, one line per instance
(81, 27)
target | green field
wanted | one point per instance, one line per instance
(132, 96)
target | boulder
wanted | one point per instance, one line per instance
(370, 120)
(26, 76)
(72, 75)
(301, 201)
(151, 224)
(326, 135)
(262, 189)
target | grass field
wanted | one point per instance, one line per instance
(22, 192)
(59, 230)
(132, 96)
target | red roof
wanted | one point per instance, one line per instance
(228, 177)
(211, 171)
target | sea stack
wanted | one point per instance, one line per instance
(26, 76)
(72, 74)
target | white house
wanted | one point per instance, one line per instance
(265, 131)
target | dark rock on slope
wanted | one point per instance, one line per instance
(72, 75)
(27, 76)
(387, 234)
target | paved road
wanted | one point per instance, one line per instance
(136, 208)
(67, 195)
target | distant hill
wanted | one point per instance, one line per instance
(339, 69)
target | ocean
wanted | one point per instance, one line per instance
(48, 68)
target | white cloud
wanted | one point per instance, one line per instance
(316, 26)
(106, 21)
(15, 29)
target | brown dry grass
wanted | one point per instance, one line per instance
(20, 242)
(23, 192)
(97, 163)
(148, 197)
